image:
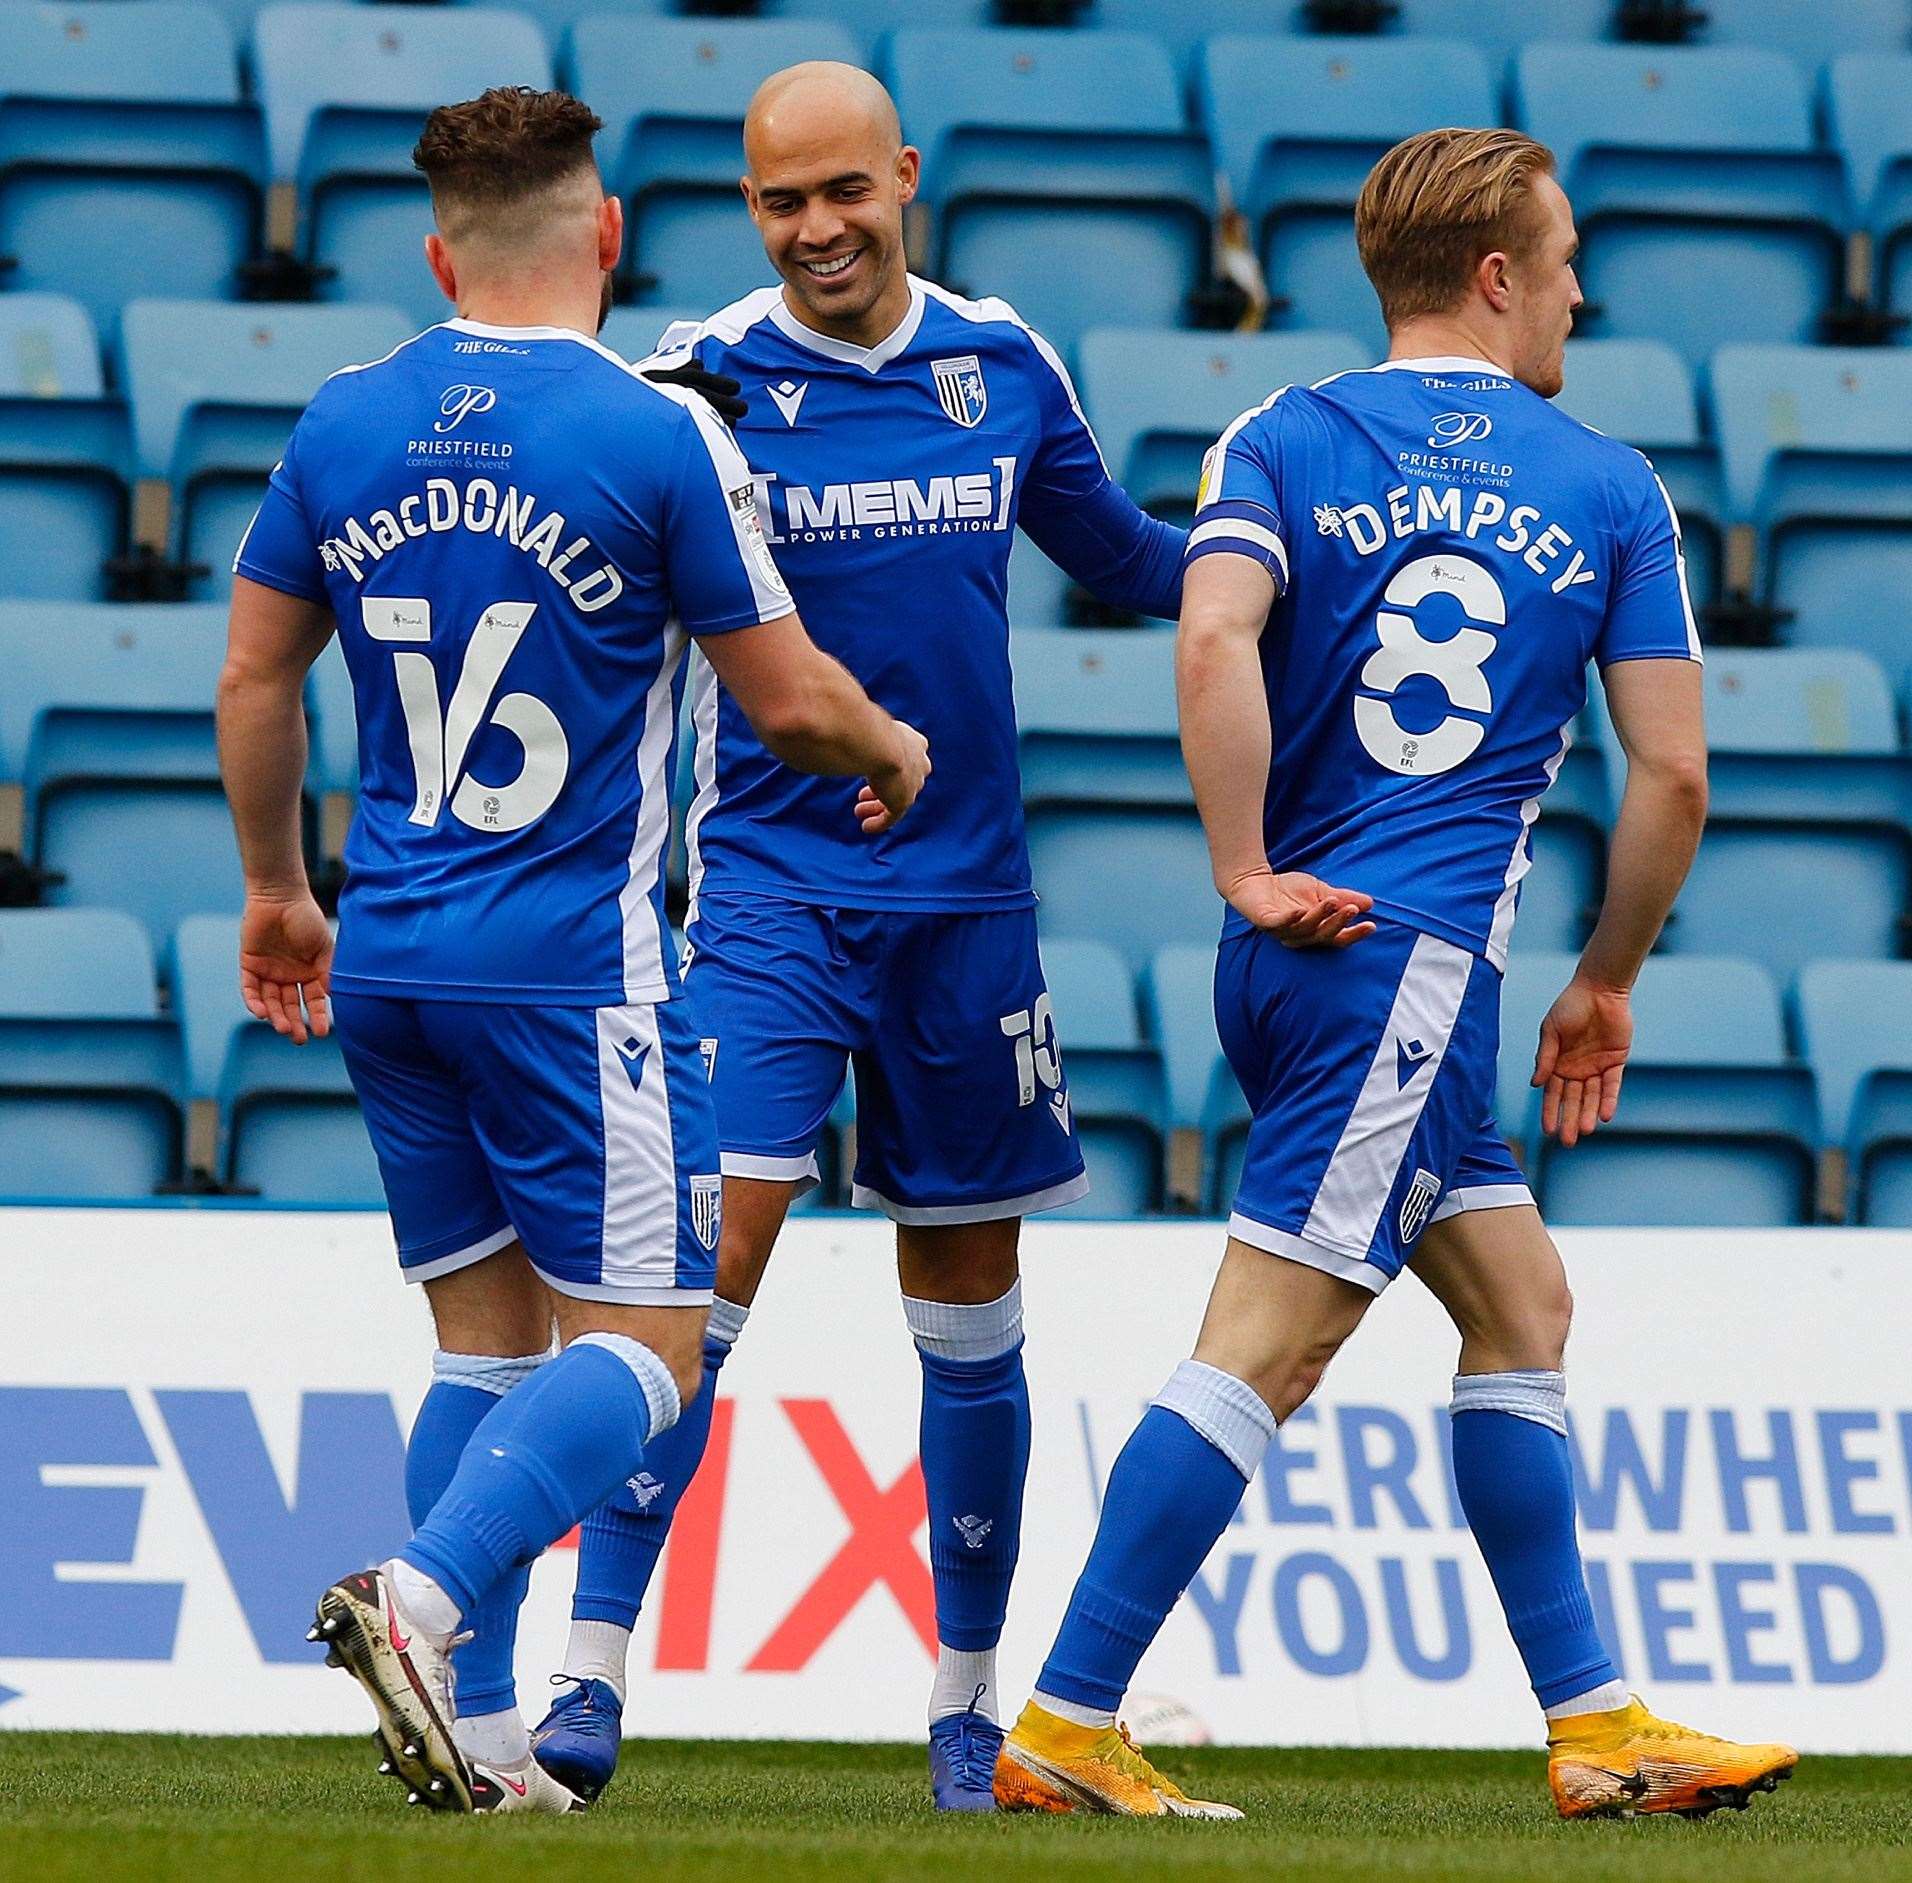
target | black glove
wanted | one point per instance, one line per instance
(723, 394)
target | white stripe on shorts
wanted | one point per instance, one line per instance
(640, 1159)
(1367, 1158)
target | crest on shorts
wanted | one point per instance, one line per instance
(960, 389)
(1418, 1205)
(706, 1208)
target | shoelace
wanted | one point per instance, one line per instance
(975, 1769)
(580, 1699)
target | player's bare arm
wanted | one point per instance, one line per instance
(285, 942)
(811, 713)
(1585, 1038)
(1227, 746)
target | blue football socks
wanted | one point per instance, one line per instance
(547, 1453)
(1175, 1485)
(1515, 1480)
(465, 1387)
(975, 1451)
(623, 1538)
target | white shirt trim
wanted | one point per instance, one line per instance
(871, 359)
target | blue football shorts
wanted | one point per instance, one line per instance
(962, 1110)
(1370, 1075)
(586, 1133)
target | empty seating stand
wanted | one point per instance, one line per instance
(1856, 1025)
(672, 94)
(127, 155)
(216, 390)
(1299, 123)
(1870, 104)
(1691, 168)
(346, 90)
(66, 454)
(90, 1073)
(1059, 171)
(1817, 448)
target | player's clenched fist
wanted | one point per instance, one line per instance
(1301, 911)
(889, 793)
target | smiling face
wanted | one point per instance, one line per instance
(829, 177)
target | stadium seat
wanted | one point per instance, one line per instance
(1299, 123)
(1809, 34)
(1159, 400)
(215, 392)
(333, 771)
(90, 1073)
(1716, 1125)
(106, 720)
(346, 90)
(633, 332)
(289, 1125)
(1817, 447)
(870, 22)
(1498, 28)
(65, 454)
(1133, 877)
(1207, 1115)
(1869, 103)
(1114, 1079)
(1642, 392)
(1856, 1027)
(1059, 171)
(126, 153)
(1096, 716)
(1691, 167)
(672, 95)
(1558, 895)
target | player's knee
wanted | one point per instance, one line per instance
(1288, 1386)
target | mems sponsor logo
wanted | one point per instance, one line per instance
(878, 509)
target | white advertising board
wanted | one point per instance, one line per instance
(201, 1418)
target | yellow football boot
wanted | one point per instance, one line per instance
(1050, 1764)
(1627, 1761)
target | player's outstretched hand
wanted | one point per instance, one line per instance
(1301, 911)
(285, 956)
(881, 803)
(1584, 1042)
(719, 391)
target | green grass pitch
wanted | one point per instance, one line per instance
(98, 1808)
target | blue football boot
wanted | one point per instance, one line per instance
(577, 1741)
(962, 1761)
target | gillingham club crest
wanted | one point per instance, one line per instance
(707, 1208)
(960, 388)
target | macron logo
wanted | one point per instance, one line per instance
(1409, 1057)
(788, 399)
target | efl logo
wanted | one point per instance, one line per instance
(460, 402)
(1459, 428)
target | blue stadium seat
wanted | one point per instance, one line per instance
(346, 90)
(1133, 877)
(289, 1125)
(672, 95)
(106, 719)
(1856, 1027)
(1689, 167)
(1817, 445)
(1159, 400)
(126, 152)
(1809, 34)
(1717, 1125)
(333, 769)
(1869, 101)
(1642, 392)
(1299, 123)
(1114, 1077)
(1096, 716)
(1183, 28)
(215, 392)
(1207, 1115)
(871, 22)
(1060, 172)
(1558, 895)
(65, 453)
(90, 1073)
(1500, 27)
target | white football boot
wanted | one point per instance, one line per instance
(526, 1787)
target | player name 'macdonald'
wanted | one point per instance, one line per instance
(486, 511)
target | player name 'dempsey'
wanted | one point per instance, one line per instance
(483, 509)
(1445, 507)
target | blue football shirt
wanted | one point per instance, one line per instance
(1449, 552)
(891, 480)
(515, 533)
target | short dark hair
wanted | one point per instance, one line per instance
(505, 145)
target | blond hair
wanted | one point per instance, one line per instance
(1435, 204)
